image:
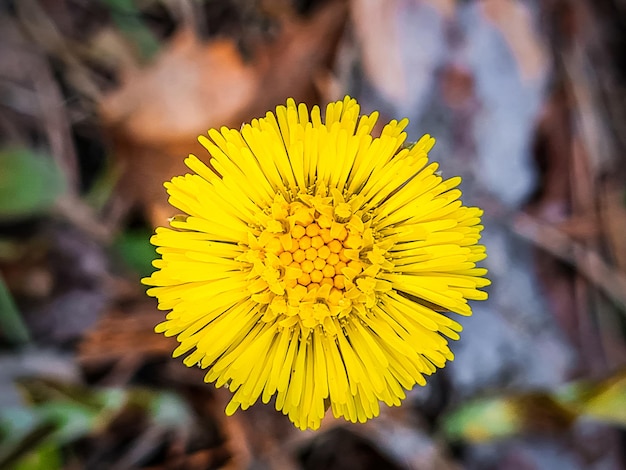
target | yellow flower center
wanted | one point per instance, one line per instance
(313, 260)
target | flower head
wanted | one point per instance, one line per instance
(315, 262)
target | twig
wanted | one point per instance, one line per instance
(82, 216)
(588, 263)
(43, 32)
(56, 124)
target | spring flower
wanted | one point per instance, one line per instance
(313, 266)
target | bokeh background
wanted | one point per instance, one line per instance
(100, 101)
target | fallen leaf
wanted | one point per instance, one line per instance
(29, 183)
(158, 112)
(122, 333)
(540, 412)
(191, 84)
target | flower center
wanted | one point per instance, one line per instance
(320, 256)
(313, 261)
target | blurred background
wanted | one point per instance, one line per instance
(100, 101)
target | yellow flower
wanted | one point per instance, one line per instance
(315, 264)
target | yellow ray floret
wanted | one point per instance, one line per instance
(314, 266)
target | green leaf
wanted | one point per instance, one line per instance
(29, 183)
(483, 420)
(72, 420)
(602, 401)
(127, 18)
(12, 328)
(136, 250)
(16, 420)
(538, 411)
(169, 410)
(45, 457)
(22, 431)
(60, 413)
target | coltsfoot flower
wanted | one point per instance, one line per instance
(313, 265)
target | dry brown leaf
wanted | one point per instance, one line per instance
(155, 117)
(190, 85)
(123, 333)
